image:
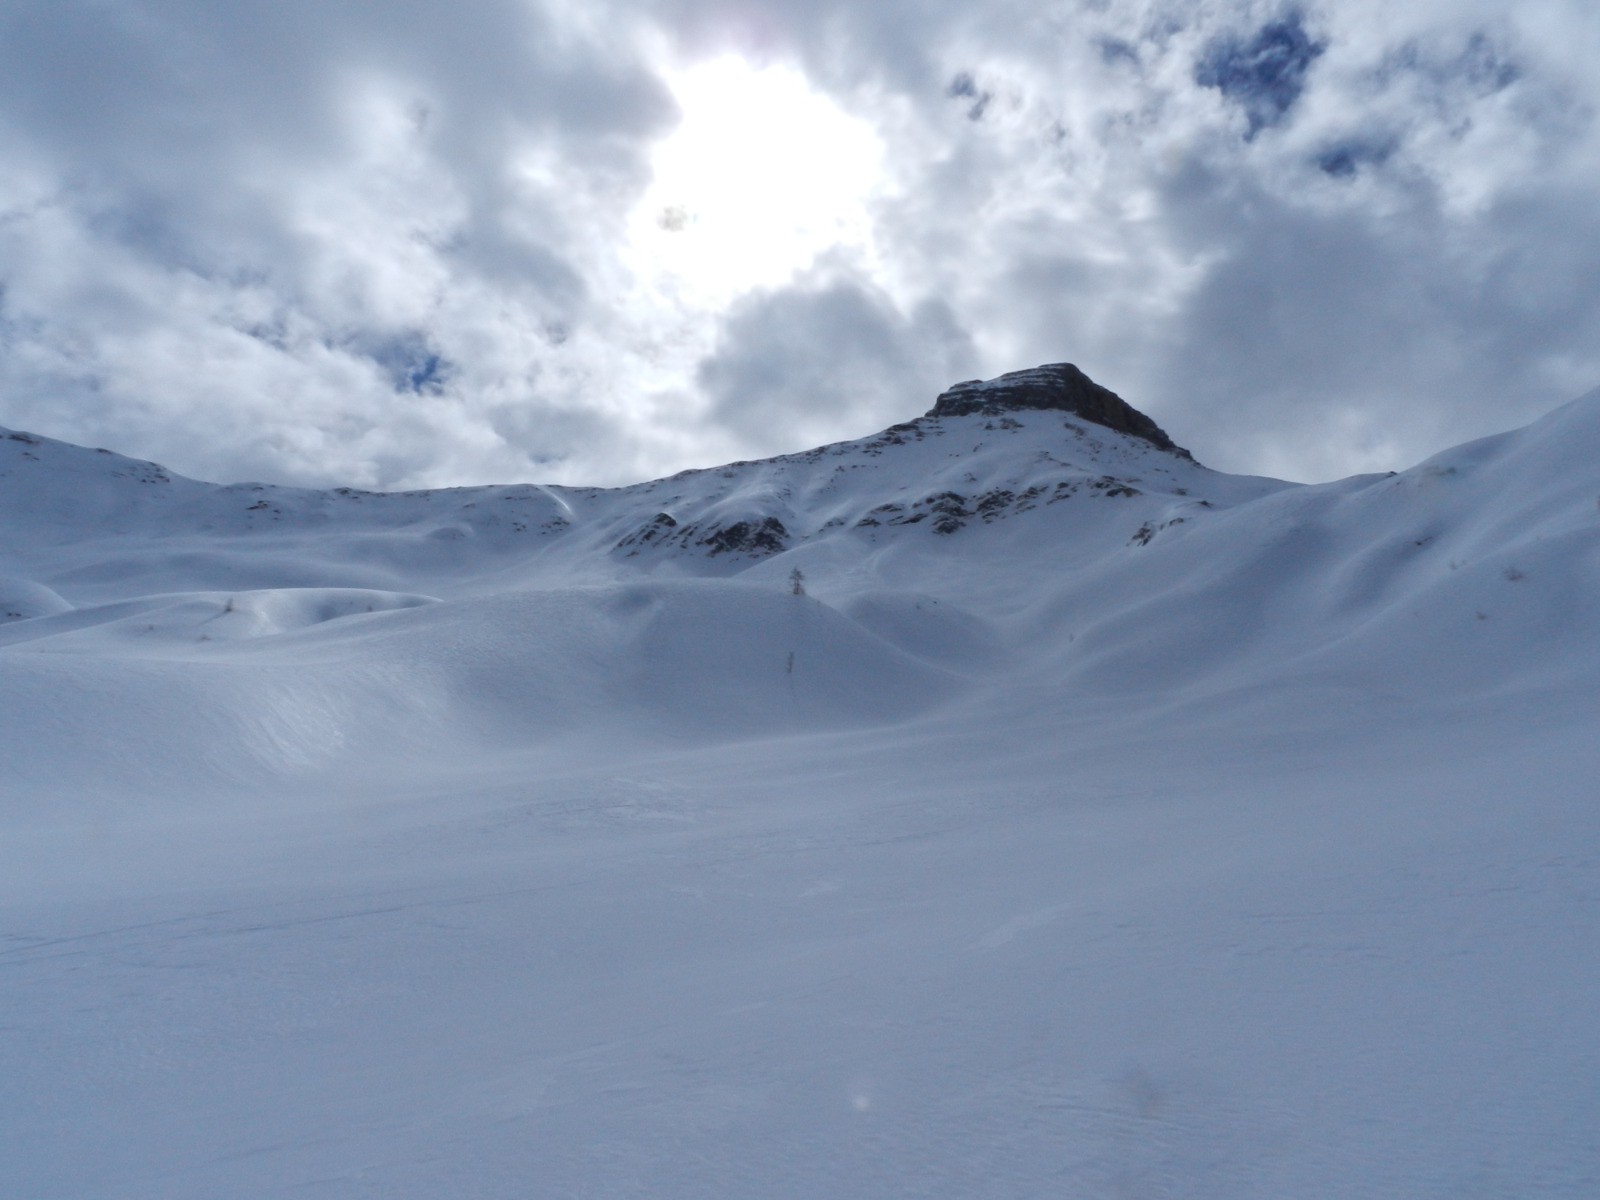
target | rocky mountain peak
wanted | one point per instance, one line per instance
(1055, 387)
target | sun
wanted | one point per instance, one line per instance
(761, 175)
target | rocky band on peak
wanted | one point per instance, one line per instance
(1058, 387)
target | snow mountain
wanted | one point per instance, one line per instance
(1002, 804)
(1004, 535)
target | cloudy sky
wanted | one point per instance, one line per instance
(398, 243)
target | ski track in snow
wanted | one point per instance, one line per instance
(1094, 825)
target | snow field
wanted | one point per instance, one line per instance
(1111, 843)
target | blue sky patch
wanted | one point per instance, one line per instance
(1263, 74)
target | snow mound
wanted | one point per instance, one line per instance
(178, 696)
(22, 600)
(682, 660)
(930, 628)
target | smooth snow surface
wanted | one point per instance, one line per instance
(1093, 825)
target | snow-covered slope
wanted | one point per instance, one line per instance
(950, 555)
(305, 629)
(1094, 823)
(97, 526)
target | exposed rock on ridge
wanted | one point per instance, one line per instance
(1059, 387)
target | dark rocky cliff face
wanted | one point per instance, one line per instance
(1057, 387)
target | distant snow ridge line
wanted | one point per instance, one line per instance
(1042, 462)
(1002, 454)
(189, 618)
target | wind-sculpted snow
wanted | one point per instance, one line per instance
(188, 620)
(1001, 805)
(186, 694)
(21, 599)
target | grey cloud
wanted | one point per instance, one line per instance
(1388, 339)
(1278, 324)
(411, 361)
(963, 87)
(1476, 58)
(1115, 50)
(1274, 322)
(1345, 157)
(829, 359)
(337, 183)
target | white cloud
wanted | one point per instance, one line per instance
(401, 244)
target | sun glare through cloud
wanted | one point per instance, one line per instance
(761, 175)
(455, 245)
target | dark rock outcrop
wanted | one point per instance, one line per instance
(1055, 387)
(755, 538)
(651, 531)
